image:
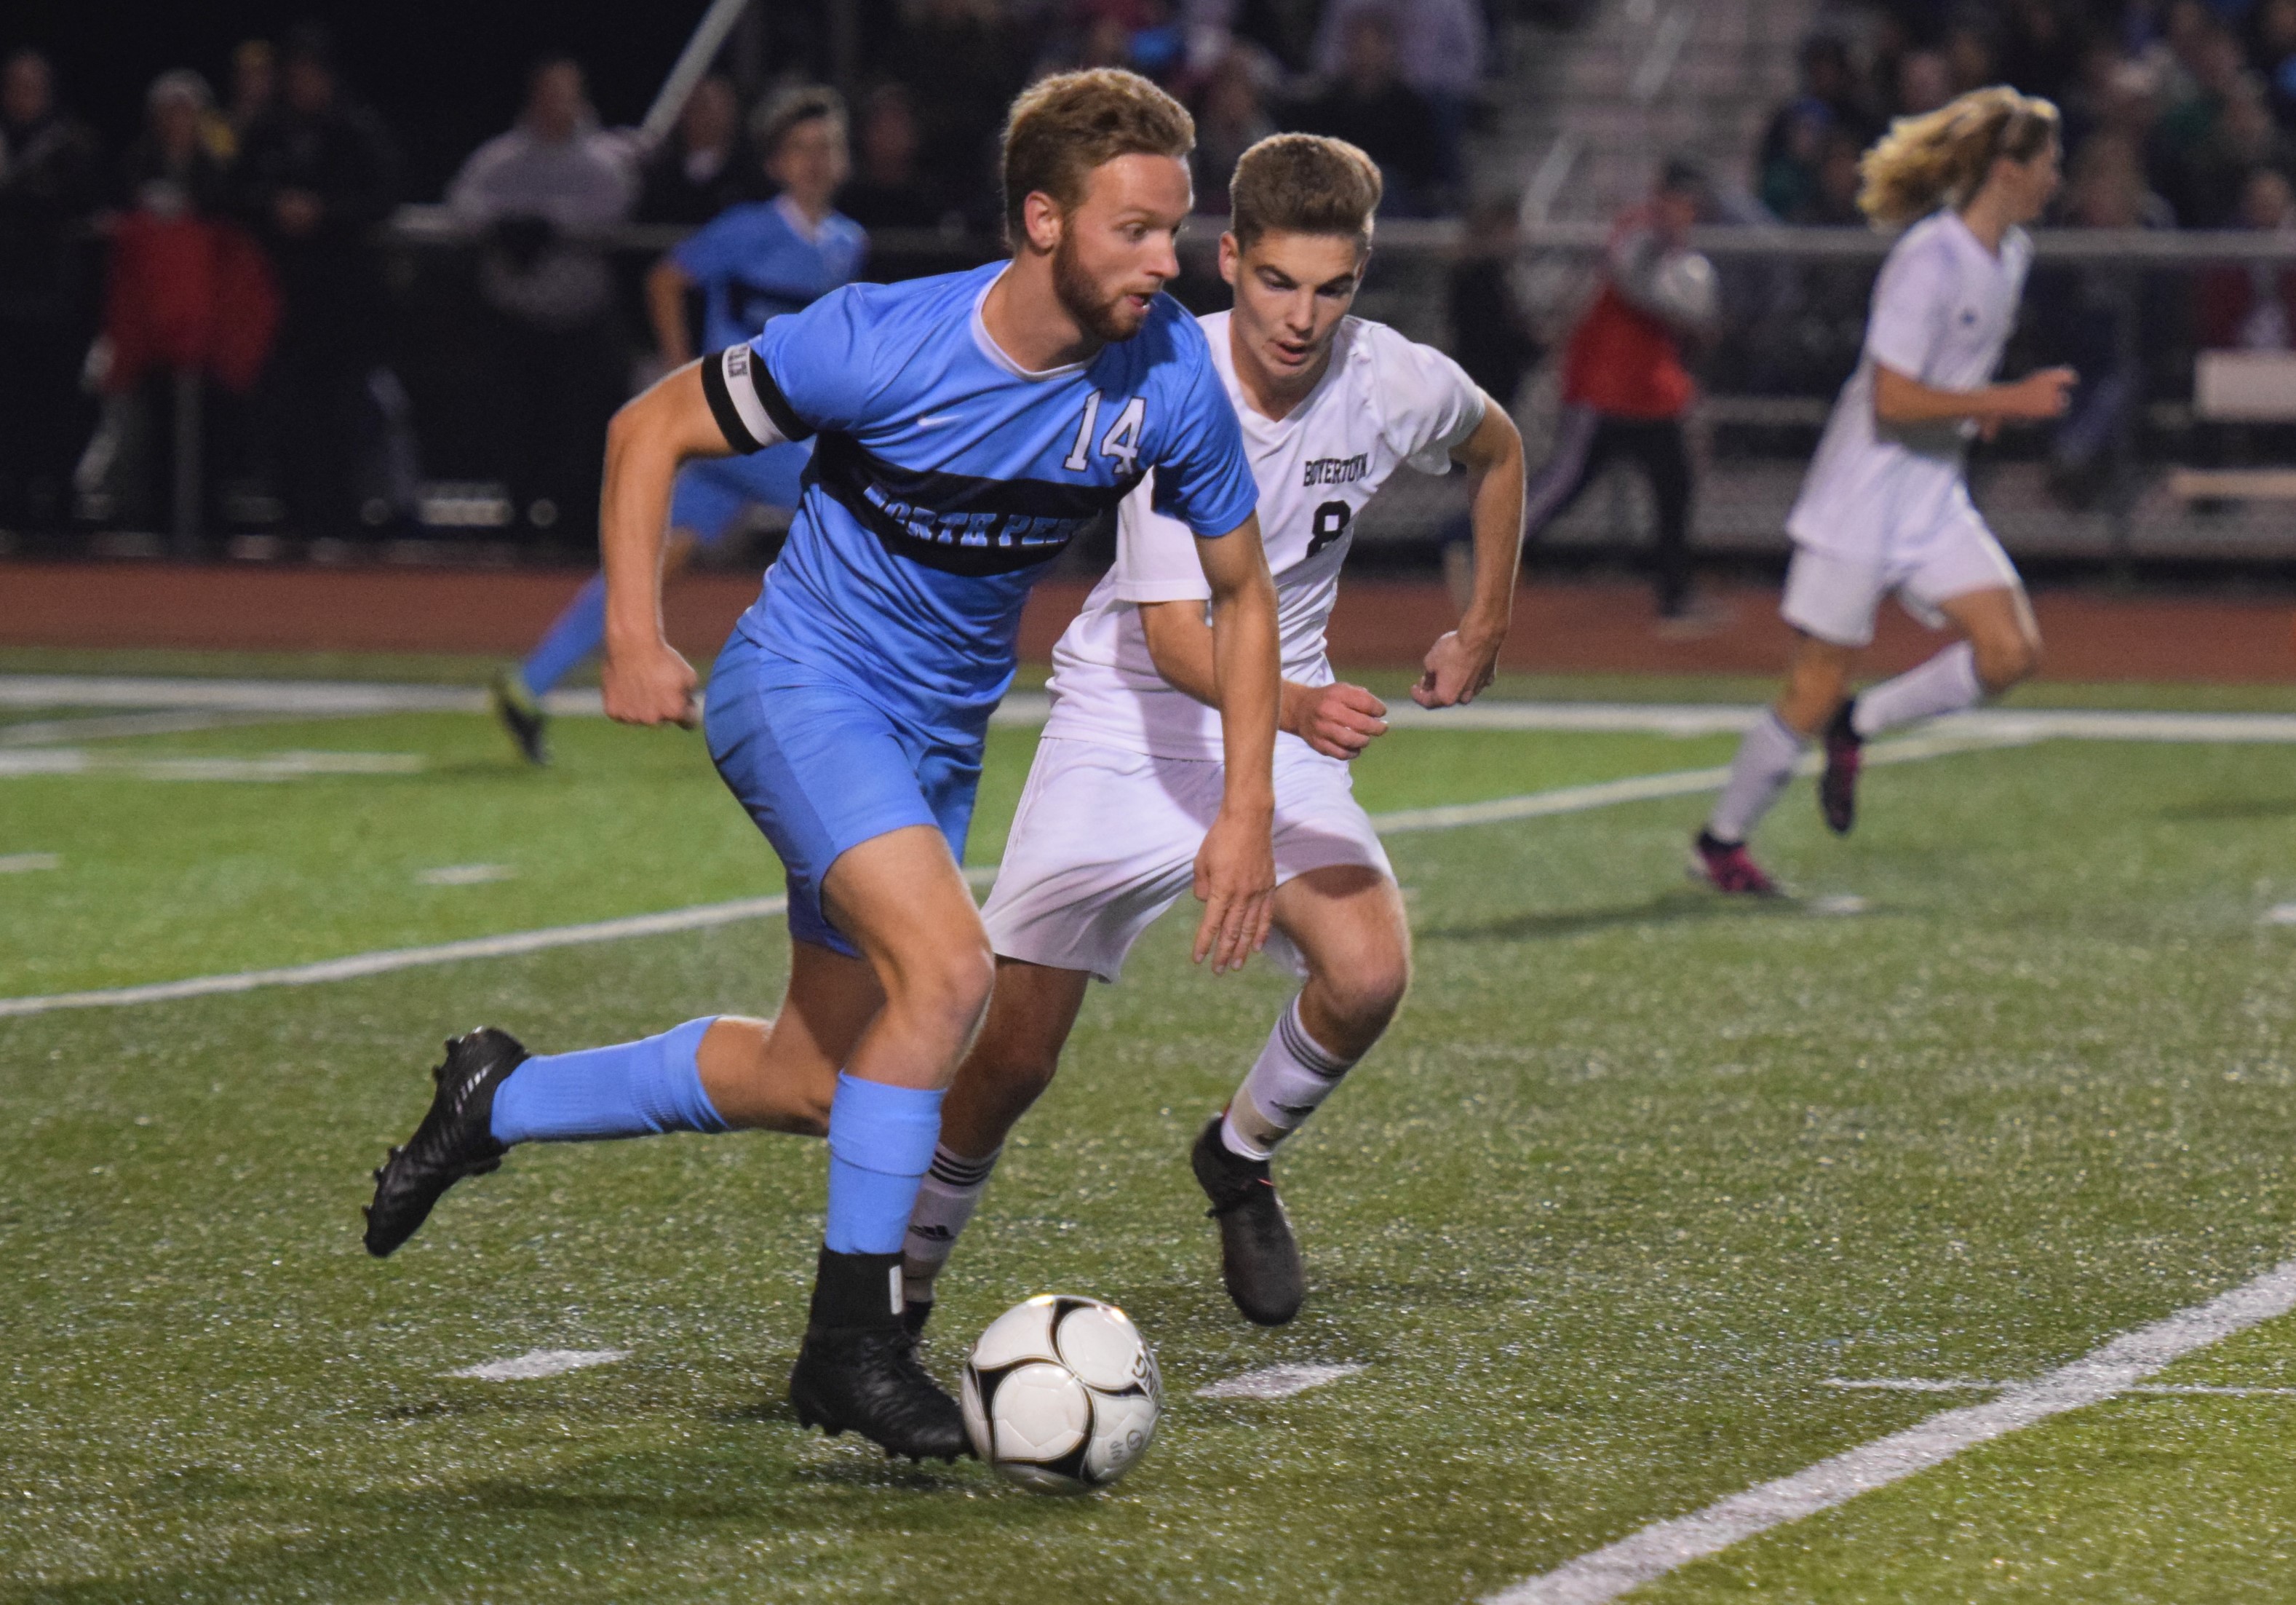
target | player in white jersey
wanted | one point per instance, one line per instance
(1130, 768)
(1885, 508)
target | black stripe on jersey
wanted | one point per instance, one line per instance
(721, 405)
(956, 523)
(777, 406)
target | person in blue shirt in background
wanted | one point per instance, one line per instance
(755, 261)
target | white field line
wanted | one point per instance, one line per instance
(1643, 788)
(466, 875)
(2116, 1368)
(700, 916)
(1972, 1385)
(1276, 1381)
(540, 1363)
(20, 863)
(1029, 709)
(26, 762)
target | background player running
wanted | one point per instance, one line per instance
(1128, 772)
(968, 426)
(1885, 507)
(753, 263)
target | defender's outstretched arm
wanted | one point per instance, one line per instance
(1462, 663)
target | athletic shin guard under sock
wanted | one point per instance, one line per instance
(881, 1139)
(1293, 1076)
(579, 631)
(1946, 684)
(632, 1090)
(1765, 764)
(946, 1199)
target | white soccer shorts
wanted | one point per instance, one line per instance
(1105, 840)
(1834, 597)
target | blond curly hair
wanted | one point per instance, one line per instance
(1943, 158)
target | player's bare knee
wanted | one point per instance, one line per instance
(1364, 993)
(950, 985)
(2007, 659)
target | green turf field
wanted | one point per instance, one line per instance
(1634, 1179)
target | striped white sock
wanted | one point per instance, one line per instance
(1294, 1075)
(946, 1199)
(1764, 762)
(1945, 684)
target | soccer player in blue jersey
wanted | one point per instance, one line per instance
(753, 263)
(966, 427)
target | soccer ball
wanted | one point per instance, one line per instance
(1060, 1394)
(1686, 290)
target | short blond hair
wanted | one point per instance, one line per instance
(1303, 184)
(1062, 127)
(1944, 157)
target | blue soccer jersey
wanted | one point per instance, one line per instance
(945, 478)
(753, 264)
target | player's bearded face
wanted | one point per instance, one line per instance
(1116, 249)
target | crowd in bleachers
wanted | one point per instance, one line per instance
(237, 235)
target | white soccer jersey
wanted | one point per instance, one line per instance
(1943, 309)
(1384, 401)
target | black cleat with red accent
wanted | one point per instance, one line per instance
(456, 1139)
(1728, 866)
(1845, 754)
(520, 714)
(1260, 1258)
(858, 1367)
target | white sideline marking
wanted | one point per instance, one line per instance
(466, 875)
(700, 916)
(1841, 905)
(17, 863)
(1277, 1381)
(26, 762)
(1029, 709)
(2281, 914)
(1970, 1385)
(540, 1363)
(2116, 1368)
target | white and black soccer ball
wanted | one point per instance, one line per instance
(1686, 288)
(1060, 1394)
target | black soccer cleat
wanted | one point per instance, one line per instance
(1845, 754)
(1728, 866)
(915, 1313)
(456, 1139)
(521, 713)
(1260, 1258)
(859, 1369)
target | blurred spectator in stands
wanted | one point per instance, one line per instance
(1286, 30)
(1490, 330)
(2215, 172)
(1140, 34)
(1372, 107)
(254, 87)
(1924, 82)
(962, 62)
(2206, 76)
(2272, 48)
(49, 183)
(702, 168)
(541, 198)
(888, 190)
(316, 175)
(1231, 116)
(2041, 48)
(2251, 305)
(189, 309)
(172, 170)
(1800, 131)
(2078, 311)
(1971, 61)
(1440, 52)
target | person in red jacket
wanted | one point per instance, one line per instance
(1625, 391)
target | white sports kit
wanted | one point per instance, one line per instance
(1886, 509)
(1128, 775)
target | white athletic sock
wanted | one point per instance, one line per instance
(1294, 1075)
(1764, 762)
(1946, 684)
(946, 1199)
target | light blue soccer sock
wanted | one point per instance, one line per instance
(881, 1139)
(632, 1090)
(579, 631)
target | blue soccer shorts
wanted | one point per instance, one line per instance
(821, 769)
(711, 493)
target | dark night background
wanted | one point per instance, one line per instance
(446, 74)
